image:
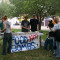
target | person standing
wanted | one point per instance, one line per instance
(56, 29)
(49, 39)
(34, 24)
(1, 25)
(7, 36)
(25, 25)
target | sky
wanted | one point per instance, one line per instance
(0, 1)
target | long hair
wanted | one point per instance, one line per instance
(56, 20)
(5, 17)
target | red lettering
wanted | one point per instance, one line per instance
(32, 37)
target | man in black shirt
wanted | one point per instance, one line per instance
(34, 24)
(25, 25)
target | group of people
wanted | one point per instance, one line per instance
(53, 38)
(33, 25)
(6, 28)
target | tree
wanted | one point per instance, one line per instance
(49, 7)
(19, 4)
(6, 9)
(39, 7)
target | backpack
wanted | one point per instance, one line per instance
(52, 34)
(57, 35)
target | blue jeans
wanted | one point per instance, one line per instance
(58, 48)
(7, 39)
(50, 42)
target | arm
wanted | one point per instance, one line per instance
(54, 28)
(23, 27)
(28, 27)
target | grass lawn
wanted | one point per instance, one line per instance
(36, 54)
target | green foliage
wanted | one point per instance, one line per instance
(39, 7)
(16, 30)
(19, 4)
(44, 36)
(6, 9)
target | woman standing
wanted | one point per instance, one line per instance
(7, 36)
(56, 29)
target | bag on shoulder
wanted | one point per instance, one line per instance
(57, 36)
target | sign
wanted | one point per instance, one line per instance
(25, 42)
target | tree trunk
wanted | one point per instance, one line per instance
(39, 19)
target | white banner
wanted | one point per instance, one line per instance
(25, 42)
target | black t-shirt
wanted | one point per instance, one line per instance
(33, 23)
(25, 23)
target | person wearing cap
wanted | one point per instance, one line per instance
(25, 25)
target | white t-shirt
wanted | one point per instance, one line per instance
(8, 27)
(56, 26)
